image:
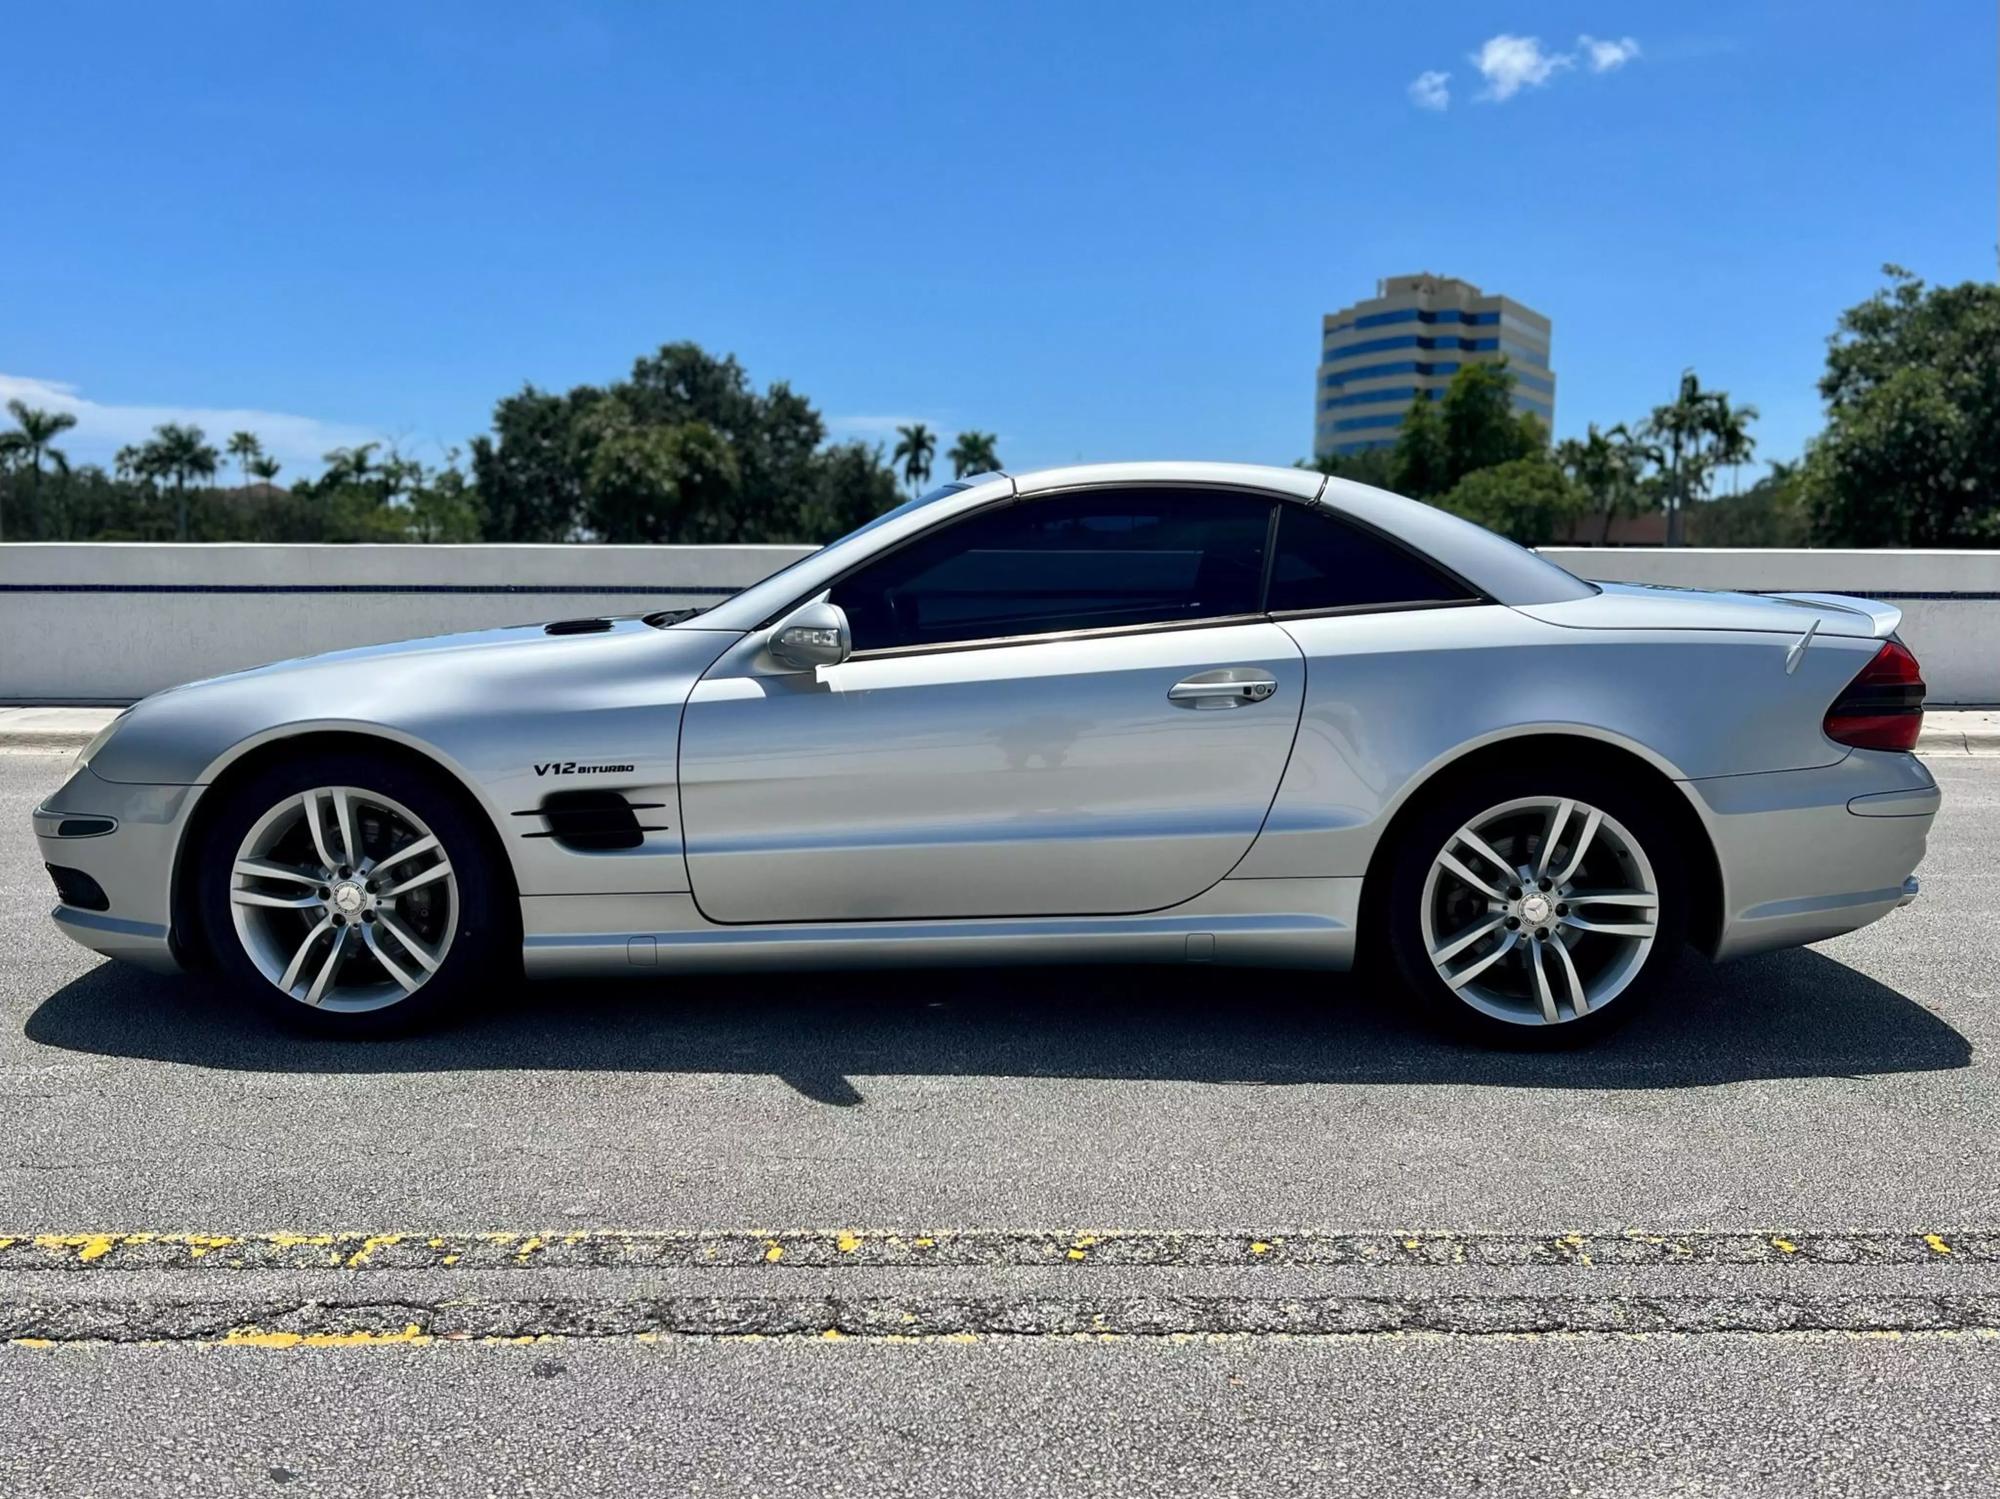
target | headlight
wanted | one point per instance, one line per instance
(98, 741)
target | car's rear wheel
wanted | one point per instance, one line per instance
(349, 894)
(1537, 907)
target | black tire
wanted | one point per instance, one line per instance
(485, 945)
(1458, 803)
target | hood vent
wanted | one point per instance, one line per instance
(577, 627)
(593, 822)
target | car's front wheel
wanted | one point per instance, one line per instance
(1537, 907)
(348, 893)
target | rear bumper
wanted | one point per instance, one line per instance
(131, 864)
(1809, 854)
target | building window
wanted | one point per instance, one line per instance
(1375, 371)
(1423, 341)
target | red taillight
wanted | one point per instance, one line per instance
(1883, 708)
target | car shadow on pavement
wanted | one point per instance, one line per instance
(1793, 1014)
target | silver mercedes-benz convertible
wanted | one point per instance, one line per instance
(1161, 713)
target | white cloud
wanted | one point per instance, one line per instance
(1603, 56)
(298, 442)
(1431, 90)
(1511, 63)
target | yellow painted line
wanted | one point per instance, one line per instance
(821, 1248)
(374, 1242)
(253, 1337)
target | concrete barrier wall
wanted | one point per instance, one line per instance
(110, 622)
(1950, 600)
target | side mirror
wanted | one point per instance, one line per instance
(812, 635)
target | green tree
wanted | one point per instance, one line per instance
(974, 453)
(1529, 500)
(530, 472)
(540, 476)
(178, 454)
(1472, 426)
(1770, 513)
(30, 442)
(1420, 464)
(369, 493)
(264, 468)
(1610, 468)
(661, 484)
(774, 435)
(851, 485)
(1481, 427)
(916, 444)
(1911, 452)
(245, 449)
(443, 506)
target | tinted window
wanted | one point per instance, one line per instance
(1325, 563)
(1083, 561)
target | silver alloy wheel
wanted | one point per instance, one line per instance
(1540, 911)
(343, 898)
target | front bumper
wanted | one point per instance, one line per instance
(1809, 854)
(132, 864)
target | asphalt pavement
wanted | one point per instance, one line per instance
(1126, 1231)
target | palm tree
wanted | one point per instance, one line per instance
(29, 443)
(265, 467)
(1729, 441)
(916, 444)
(355, 465)
(974, 453)
(180, 454)
(1607, 466)
(1699, 432)
(244, 447)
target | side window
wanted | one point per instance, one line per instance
(1080, 561)
(1324, 563)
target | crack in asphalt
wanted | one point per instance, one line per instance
(285, 1322)
(556, 1249)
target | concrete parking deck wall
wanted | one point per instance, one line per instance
(110, 622)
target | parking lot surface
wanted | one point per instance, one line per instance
(1745, 1246)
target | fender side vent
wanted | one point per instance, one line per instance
(593, 821)
(577, 627)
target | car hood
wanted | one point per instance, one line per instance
(1652, 606)
(423, 692)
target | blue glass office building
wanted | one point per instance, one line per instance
(1406, 342)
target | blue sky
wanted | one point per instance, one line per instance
(1101, 230)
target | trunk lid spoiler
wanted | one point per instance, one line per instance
(1882, 618)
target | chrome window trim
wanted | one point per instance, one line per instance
(1405, 606)
(1058, 637)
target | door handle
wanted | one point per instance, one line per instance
(1232, 687)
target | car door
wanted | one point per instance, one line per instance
(1061, 705)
